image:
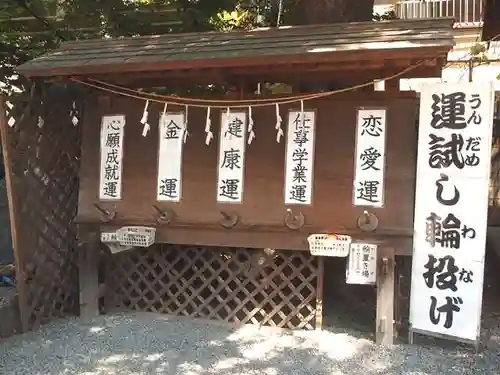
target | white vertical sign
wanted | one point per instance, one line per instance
(370, 158)
(299, 160)
(362, 264)
(231, 157)
(169, 184)
(110, 173)
(451, 207)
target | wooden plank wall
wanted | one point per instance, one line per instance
(262, 212)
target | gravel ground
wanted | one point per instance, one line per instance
(6, 294)
(142, 343)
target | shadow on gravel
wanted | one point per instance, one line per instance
(145, 343)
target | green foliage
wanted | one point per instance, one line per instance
(28, 28)
(15, 46)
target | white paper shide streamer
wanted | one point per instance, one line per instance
(251, 132)
(40, 122)
(208, 128)
(185, 130)
(74, 114)
(144, 120)
(302, 116)
(11, 121)
(164, 112)
(278, 127)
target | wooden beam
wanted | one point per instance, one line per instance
(392, 85)
(320, 292)
(347, 74)
(385, 296)
(88, 261)
(14, 216)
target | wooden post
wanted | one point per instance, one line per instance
(88, 261)
(319, 293)
(14, 218)
(471, 68)
(398, 316)
(392, 85)
(385, 297)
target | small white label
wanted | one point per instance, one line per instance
(112, 134)
(362, 264)
(329, 245)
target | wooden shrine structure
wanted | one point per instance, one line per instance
(239, 263)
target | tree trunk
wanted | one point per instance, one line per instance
(310, 12)
(316, 12)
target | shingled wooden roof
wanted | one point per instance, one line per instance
(354, 42)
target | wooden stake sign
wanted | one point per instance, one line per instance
(299, 160)
(231, 157)
(370, 158)
(112, 133)
(451, 209)
(169, 186)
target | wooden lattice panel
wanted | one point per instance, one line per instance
(276, 288)
(44, 154)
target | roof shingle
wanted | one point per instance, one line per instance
(257, 47)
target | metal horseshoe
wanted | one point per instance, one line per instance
(367, 222)
(294, 222)
(165, 216)
(106, 216)
(229, 221)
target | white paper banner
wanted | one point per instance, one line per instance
(368, 187)
(110, 174)
(362, 264)
(169, 184)
(451, 207)
(231, 157)
(299, 160)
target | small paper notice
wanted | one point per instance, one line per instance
(362, 264)
(329, 245)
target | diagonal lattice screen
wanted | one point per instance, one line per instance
(44, 154)
(276, 288)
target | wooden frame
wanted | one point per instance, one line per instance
(13, 214)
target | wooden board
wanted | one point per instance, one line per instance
(262, 212)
